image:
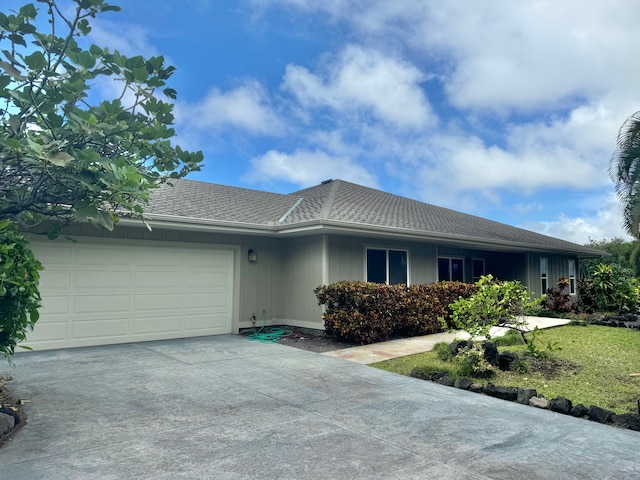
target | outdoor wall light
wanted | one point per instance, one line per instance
(252, 255)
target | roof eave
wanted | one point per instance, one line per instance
(175, 222)
(344, 228)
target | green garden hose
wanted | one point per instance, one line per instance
(269, 334)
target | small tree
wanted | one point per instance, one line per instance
(65, 157)
(495, 304)
(62, 157)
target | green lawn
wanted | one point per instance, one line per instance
(593, 367)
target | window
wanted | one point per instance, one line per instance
(544, 281)
(450, 269)
(477, 266)
(387, 266)
(572, 277)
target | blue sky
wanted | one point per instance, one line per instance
(507, 110)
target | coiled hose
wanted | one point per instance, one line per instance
(269, 334)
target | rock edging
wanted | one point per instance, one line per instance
(529, 396)
(12, 416)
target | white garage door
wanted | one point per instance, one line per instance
(98, 291)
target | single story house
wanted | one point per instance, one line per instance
(218, 257)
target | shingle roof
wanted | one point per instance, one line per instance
(344, 203)
(210, 201)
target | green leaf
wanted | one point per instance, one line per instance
(28, 11)
(60, 159)
(140, 74)
(83, 26)
(35, 61)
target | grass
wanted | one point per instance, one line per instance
(593, 366)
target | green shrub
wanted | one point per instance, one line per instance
(19, 295)
(360, 312)
(609, 288)
(363, 312)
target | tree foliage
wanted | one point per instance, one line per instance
(495, 304)
(624, 169)
(19, 295)
(623, 253)
(63, 156)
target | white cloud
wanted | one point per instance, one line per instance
(501, 55)
(129, 40)
(306, 168)
(364, 79)
(531, 55)
(600, 224)
(246, 107)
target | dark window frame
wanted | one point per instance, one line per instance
(452, 273)
(572, 277)
(544, 274)
(474, 274)
(392, 269)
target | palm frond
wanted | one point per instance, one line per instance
(624, 170)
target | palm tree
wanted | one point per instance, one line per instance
(624, 170)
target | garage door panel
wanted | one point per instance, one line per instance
(101, 328)
(208, 280)
(100, 291)
(53, 279)
(54, 305)
(102, 279)
(158, 257)
(218, 260)
(210, 324)
(151, 302)
(209, 301)
(158, 324)
(102, 256)
(55, 254)
(50, 331)
(101, 304)
(165, 280)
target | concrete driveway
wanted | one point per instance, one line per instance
(226, 408)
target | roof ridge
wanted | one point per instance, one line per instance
(326, 208)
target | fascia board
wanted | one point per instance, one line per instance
(344, 228)
(198, 224)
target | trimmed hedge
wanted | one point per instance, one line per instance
(363, 312)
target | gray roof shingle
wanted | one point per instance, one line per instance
(339, 202)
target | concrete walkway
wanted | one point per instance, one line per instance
(225, 407)
(378, 352)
